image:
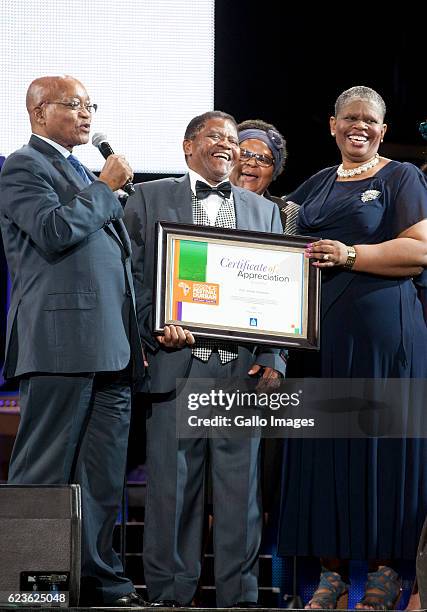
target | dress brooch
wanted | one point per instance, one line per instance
(370, 194)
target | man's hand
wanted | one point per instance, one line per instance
(144, 358)
(116, 172)
(269, 378)
(175, 337)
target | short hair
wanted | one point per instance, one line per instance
(198, 123)
(259, 124)
(360, 92)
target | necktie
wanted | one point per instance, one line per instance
(78, 167)
(203, 190)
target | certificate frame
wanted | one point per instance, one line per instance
(169, 235)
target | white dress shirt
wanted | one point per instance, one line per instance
(213, 202)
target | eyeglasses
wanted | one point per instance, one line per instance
(76, 105)
(261, 160)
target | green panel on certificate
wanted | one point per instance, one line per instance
(193, 257)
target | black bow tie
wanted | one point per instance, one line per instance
(203, 190)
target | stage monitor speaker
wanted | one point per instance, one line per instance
(40, 536)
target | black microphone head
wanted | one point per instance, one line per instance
(129, 188)
(100, 141)
(98, 138)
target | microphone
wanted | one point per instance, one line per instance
(100, 141)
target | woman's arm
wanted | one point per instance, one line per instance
(405, 255)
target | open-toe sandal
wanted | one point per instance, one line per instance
(331, 594)
(382, 590)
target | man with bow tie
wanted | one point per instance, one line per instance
(175, 467)
(72, 334)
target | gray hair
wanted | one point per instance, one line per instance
(360, 92)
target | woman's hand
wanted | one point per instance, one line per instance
(327, 253)
(403, 256)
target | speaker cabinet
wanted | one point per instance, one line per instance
(40, 536)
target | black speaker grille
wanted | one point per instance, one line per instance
(40, 530)
(34, 502)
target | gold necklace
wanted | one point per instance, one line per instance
(345, 173)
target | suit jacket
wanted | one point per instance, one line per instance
(170, 200)
(68, 254)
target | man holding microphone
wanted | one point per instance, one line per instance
(71, 336)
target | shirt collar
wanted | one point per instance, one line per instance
(196, 177)
(65, 152)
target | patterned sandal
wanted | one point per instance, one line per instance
(382, 590)
(331, 593)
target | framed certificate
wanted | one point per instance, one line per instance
(236, 285)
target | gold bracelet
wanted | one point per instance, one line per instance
(351, 257)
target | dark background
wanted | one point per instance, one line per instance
(289, 67)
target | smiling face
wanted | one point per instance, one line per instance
(51, 119)
(214, 151)
(248, 173)
(359, 129)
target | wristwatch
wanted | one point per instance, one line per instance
(351, 257)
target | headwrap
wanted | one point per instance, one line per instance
(272, 139)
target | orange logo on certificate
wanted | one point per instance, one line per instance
(196, 292)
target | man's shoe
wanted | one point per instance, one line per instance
(167, 603)
(130, 600)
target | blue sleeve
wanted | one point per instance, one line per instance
(410, 198)
(29, 198)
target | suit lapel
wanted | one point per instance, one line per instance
(44, 147)
(116, 229)
(241, 208)
(67, 171)
(58, 161)
(180, 207)
(119, 228)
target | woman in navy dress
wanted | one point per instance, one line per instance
(361, 499)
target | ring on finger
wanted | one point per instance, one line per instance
(326, 256)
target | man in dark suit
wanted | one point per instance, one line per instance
(71, 336)
(174, 504)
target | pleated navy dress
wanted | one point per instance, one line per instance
(359, 498)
